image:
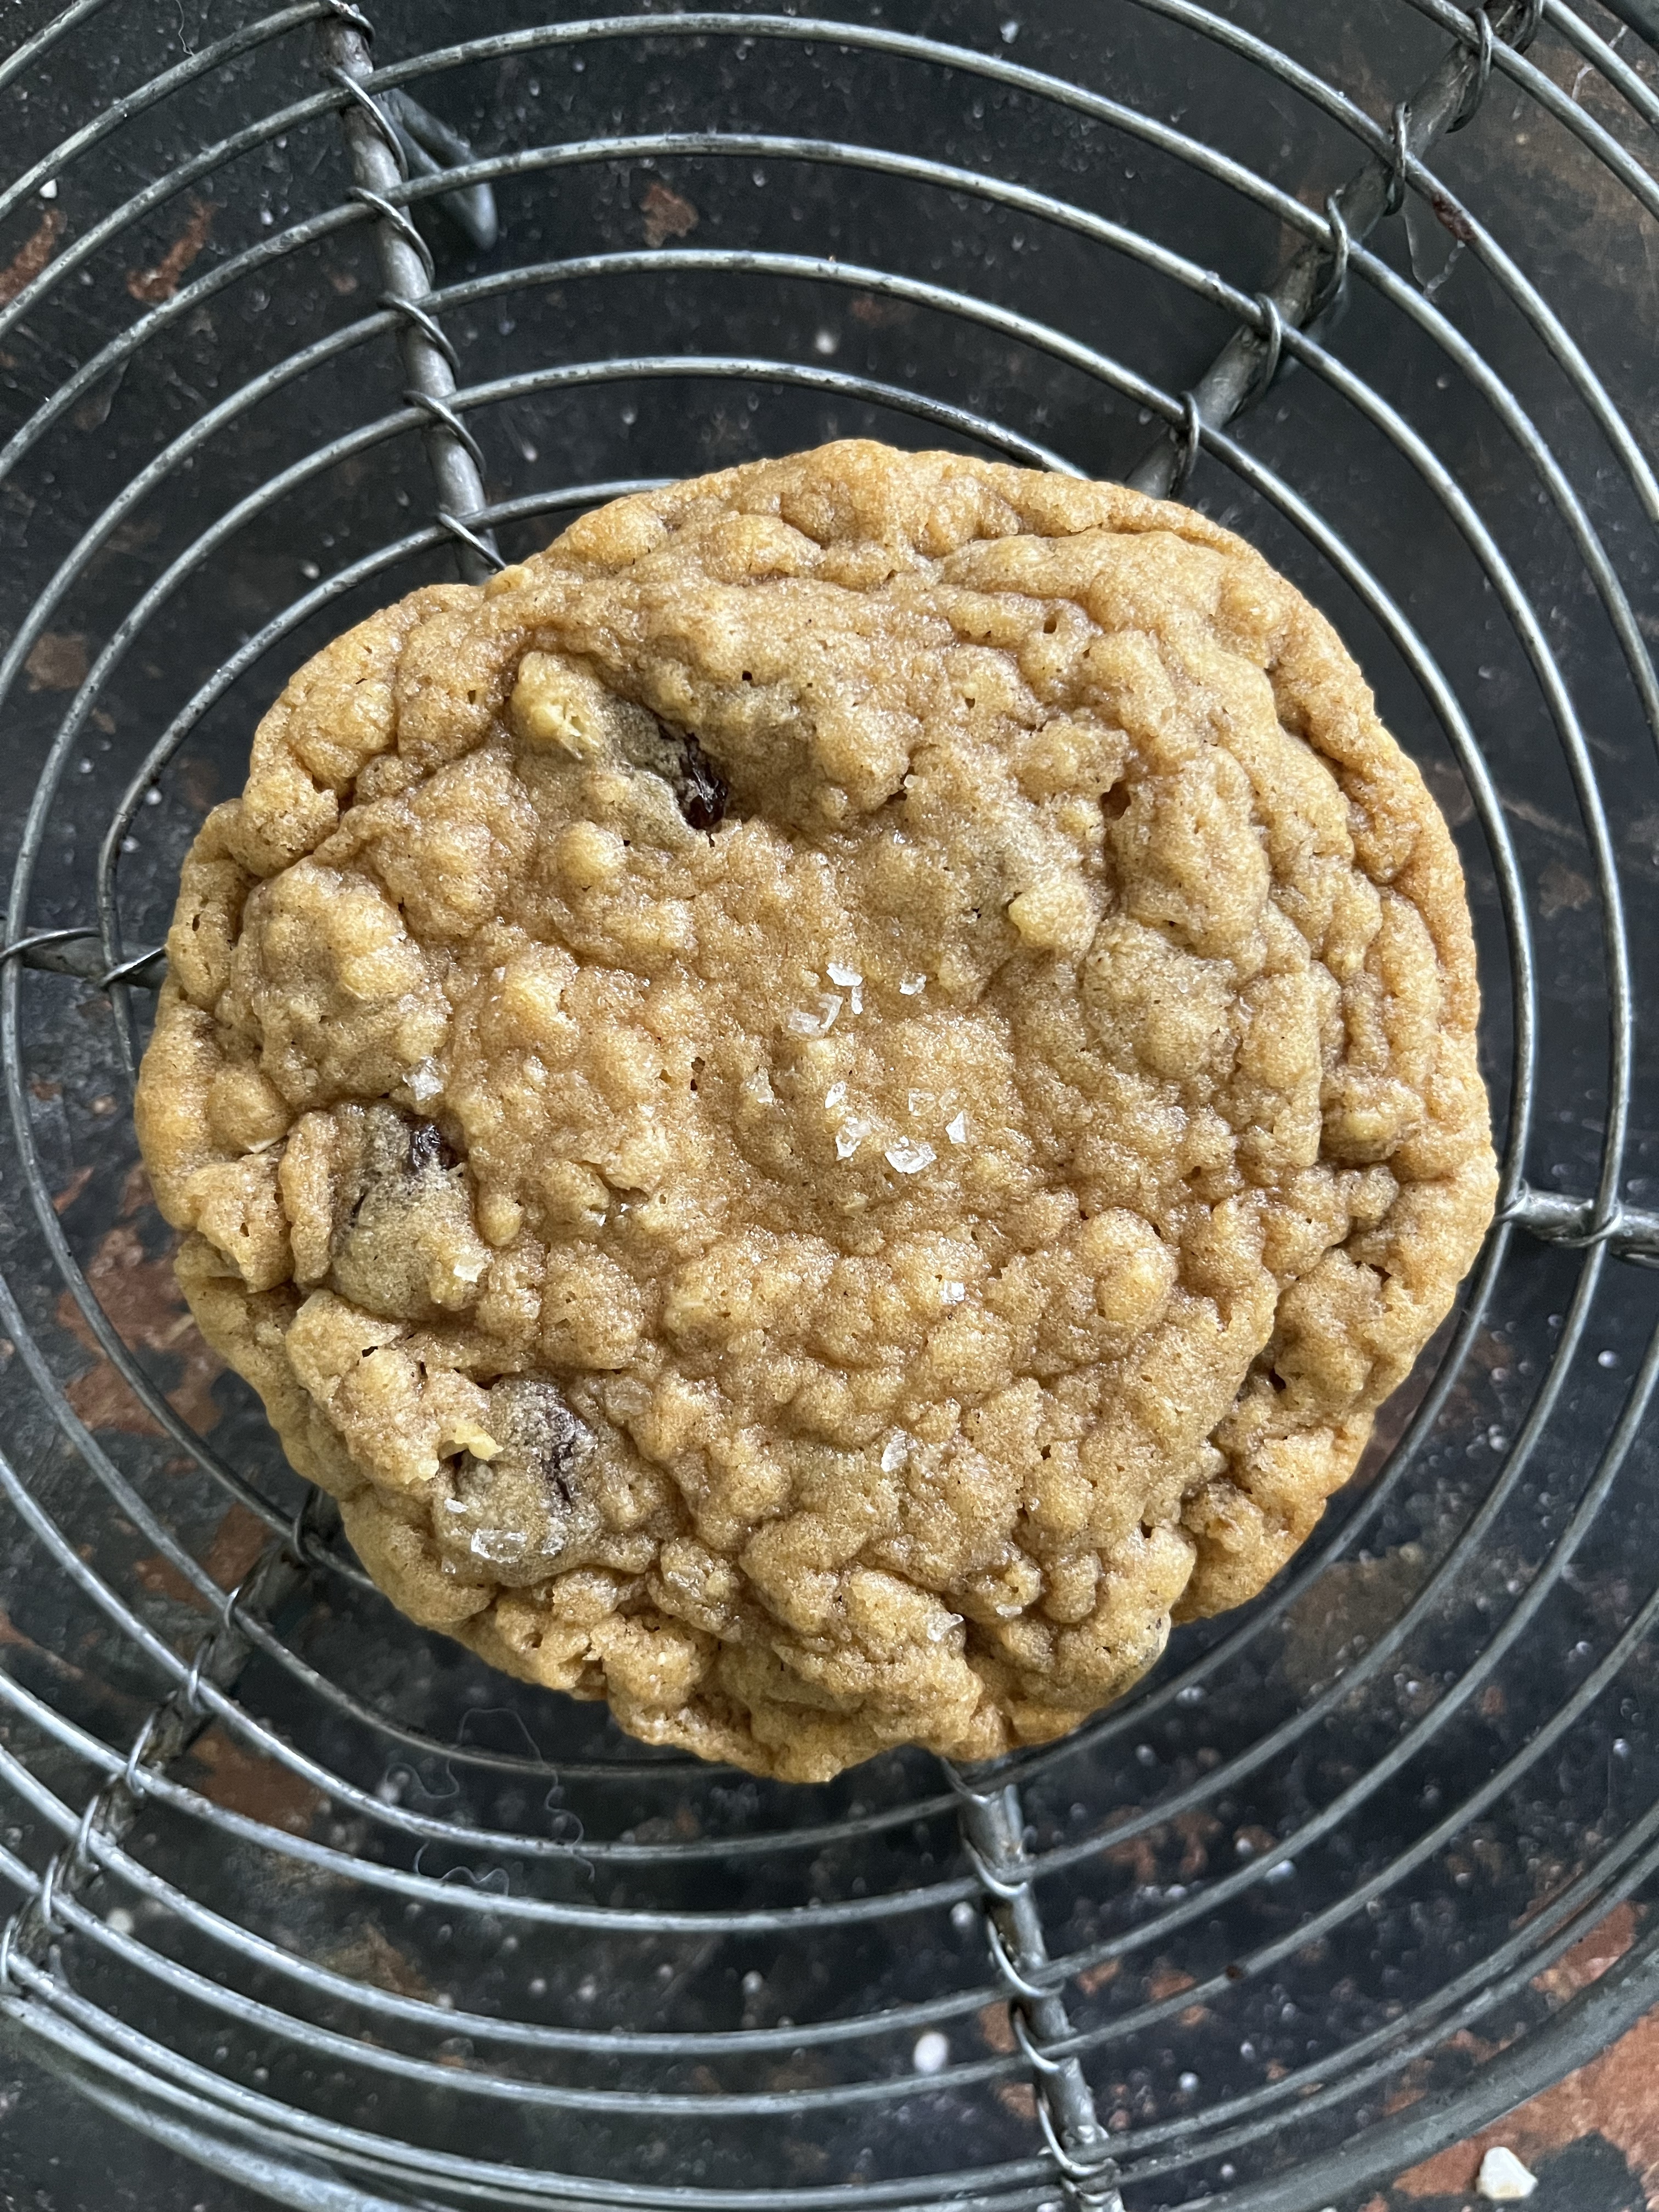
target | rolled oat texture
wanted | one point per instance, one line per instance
(826, 1103)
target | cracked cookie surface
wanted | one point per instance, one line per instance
(824, 1103)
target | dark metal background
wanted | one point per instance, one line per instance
(319, 1901)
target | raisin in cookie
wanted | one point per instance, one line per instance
(824, 1105)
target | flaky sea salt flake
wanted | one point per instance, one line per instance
(953, 1293)
(910, 985)
(499, 1546)
(909, 1156)
(801, 1024)
(835, 1096)
(957, 1130)
(849, 1137)
(850, 980)
(894, 1451)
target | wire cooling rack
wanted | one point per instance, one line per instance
(313, 1898)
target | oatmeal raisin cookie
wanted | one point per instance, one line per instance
(826, 1103)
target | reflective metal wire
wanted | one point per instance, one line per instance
(130, 2064)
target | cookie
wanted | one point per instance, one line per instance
(826, 1103)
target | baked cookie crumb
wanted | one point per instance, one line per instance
(826, 1103)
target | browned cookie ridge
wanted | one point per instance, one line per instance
(824, 1103)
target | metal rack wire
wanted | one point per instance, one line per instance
(1304, 1909)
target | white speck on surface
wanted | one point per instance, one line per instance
(910, 985)
(850, 981)
(1008, 30)
(424, 1082)
(120, 1920)
(537, 1987)
(753, 1983)
(1188, 2083)
(835, 1096)
(498, 1545)
(1503, 2179)
(957, 1130)
(825, 342)
(1607, 1358)
(1282, 1872)
(152, 797)
(909, 1156)
(85, 767)
(931, 2052)
(953, 1293)
(849, 1137)
(801, 1024)
(49, 190)
(894, 1451)
(310, 570)
(962, 1915)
